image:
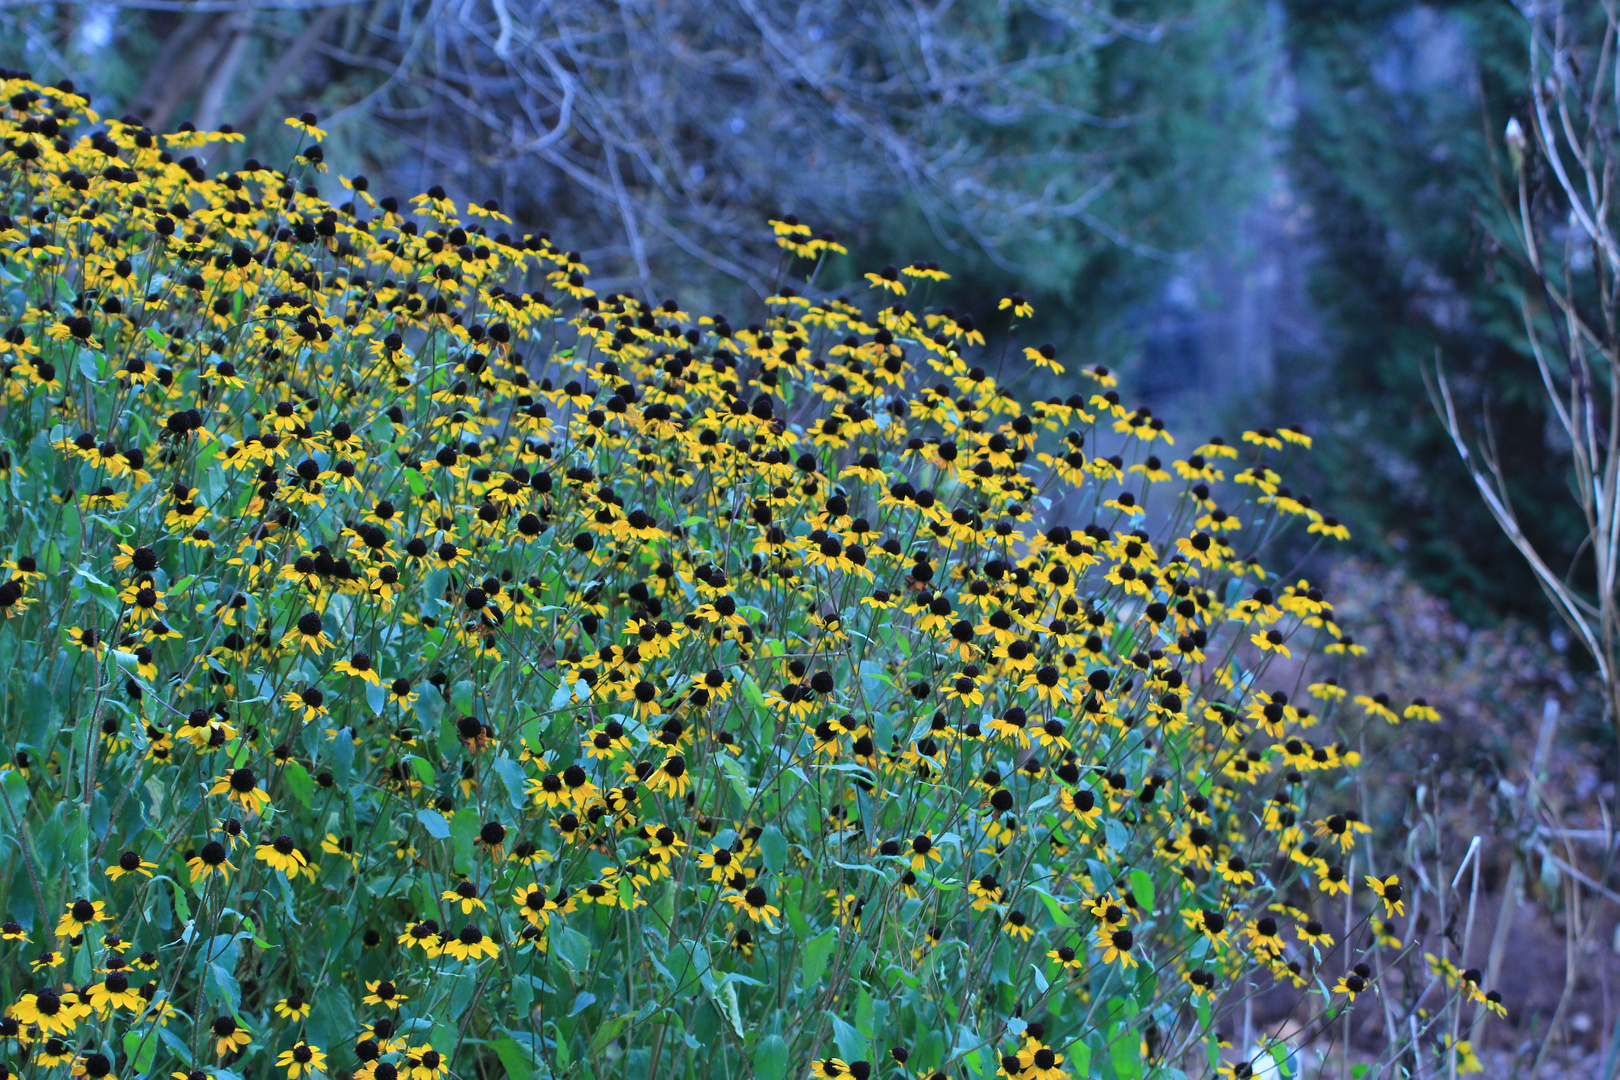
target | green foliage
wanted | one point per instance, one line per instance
(415, 662)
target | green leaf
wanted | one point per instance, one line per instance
(816, 953)
(298, 780)
(463, 832)
(178, 1048)
(607, 1031)
(726, 1001)
(14, 788)
(1115, 833)
(182, 906)
(1125, 1048)
(564, 693)
(512, 776)
(156, 337)
(771, 1058)
(435, 824)
(522, 996)
(574, 948)
(795, 918)
(1054, 906)
(512, 1058)
(864, 1012)
(141, 1049)
(773, 848)
(851, 1043)
(1142, 888)
(221, 986)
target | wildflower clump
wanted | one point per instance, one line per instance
(417, 664)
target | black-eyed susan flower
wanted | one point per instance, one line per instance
(922, 851)
(241, 786)
(302, 1059)
(229, 1036)
(53, 1052)
(49, 1011)
(1420, 709)
(80, 915)
(309, 632)
(1390, 892)
(426, 1063)
(384, 992)
(1350, 985)
(423, 935)
(1040, 1063)
(464, 895)
(471, 943)
(295, 1006)
(1211, 925)
(756, 903)
(112, 992)
(212, 860)
(1116, 946)
(359, 666)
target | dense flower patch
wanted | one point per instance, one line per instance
(419, 665)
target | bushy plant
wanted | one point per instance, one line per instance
(418, 665)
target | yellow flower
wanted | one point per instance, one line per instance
(211, 860)
(1420, 709)
(50, 1011)
(1021, 308)
(466, 895)
(80, 915)
(282, 854)
(470, 944)
(241, 786)
(113, 991)
(1350, 986)
(359, 666)
(756, 903)
(1044, 358)
(303, 1059)
(1390, 892)
(888, 278)
(1116, 946)
(1040, 1063)
(426, 1063)
(383, 992)
(229, 1035)
(292, 1007)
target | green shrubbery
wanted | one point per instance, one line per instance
(416, 663)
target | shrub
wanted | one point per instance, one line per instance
(417, 664)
